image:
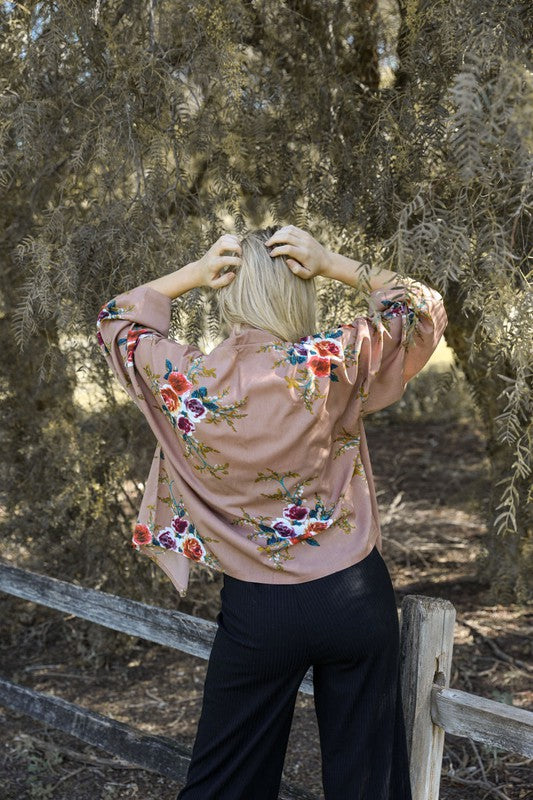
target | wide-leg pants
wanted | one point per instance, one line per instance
(344, 625)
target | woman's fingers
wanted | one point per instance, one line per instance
(289, 234)
(298, 268)
(223, 280)
(228, 242)
(223, 261)
(285, 250)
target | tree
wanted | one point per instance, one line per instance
(133, 133)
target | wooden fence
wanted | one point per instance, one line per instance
(430, 707)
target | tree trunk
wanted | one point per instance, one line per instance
(507, 562)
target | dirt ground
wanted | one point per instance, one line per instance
(432, 487)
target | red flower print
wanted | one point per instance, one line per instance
(328, 348)
(141, 534)
(179, 382)
(170, 398)
(315, 526)
(295, 512)
(193, 549)
(305, 535)
(179, 524)
(185, 425)
(319, 366)
(132, 339)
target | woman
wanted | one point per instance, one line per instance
(261, 471)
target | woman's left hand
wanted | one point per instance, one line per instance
(213, 261)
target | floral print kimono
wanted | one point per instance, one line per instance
(261, 467)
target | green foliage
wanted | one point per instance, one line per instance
(132, 135)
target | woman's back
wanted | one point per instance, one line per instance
(261, 468)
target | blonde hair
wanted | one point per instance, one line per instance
(266, 294)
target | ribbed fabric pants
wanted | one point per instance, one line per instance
(344, 625)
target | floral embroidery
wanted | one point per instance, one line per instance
(135, 333)
(181, 535)
(297, 522)
(349, 440)
(183, 403)
(317, 356)
(186, 407)
(182, 392)
(112, 311)
(411, 304)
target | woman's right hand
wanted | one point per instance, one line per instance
(305, 256)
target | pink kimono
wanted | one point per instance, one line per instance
(261, 468)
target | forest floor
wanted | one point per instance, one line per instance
(432, 484)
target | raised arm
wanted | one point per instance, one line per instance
(306, 257)
(155, 370)
(355, 273)
(403, 326)
(133, 327)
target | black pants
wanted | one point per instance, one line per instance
(346, 626)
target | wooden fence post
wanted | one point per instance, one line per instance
(427, 630)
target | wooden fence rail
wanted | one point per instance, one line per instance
(431, 707)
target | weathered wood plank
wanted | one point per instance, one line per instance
(430, 706)
(155, 753)
(497, 724)
(425, 658)
(175, 629)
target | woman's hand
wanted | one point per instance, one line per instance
(307, 257)
(209, 266)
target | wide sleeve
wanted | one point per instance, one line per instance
(405, 324)
(154, 371)
(133, 334)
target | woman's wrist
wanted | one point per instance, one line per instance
(178, 282)
(353, 272)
